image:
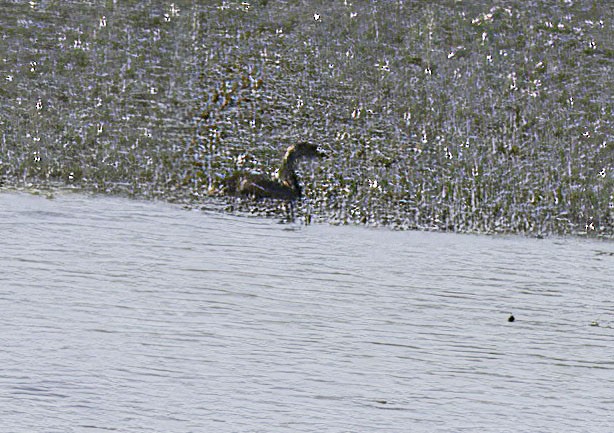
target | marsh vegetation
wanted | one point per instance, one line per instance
(461, 116)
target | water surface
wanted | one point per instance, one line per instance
(133, 316)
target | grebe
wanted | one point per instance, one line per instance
(284, 185)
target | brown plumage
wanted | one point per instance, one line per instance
(284, 185)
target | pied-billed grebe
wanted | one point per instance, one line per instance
(284, 185)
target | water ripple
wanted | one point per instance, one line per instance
(129, 316)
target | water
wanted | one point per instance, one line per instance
(132, 316)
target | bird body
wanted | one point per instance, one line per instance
(283, 186)
(258, 185)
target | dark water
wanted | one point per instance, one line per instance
(137, 317)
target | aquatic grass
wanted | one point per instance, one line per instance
(462, 117)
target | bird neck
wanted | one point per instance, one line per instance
(287, 172)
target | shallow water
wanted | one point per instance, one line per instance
(131, 316)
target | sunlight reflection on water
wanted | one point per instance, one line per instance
(144, 317)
